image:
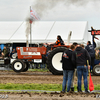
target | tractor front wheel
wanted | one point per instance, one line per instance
(18, 65)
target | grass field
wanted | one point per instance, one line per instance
(47, 87)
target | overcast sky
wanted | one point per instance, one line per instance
(52, 10)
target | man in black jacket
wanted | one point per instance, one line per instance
(68, 68)
(79, 58)
(90, 48)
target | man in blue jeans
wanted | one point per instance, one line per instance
(68, 68)
(79, 58)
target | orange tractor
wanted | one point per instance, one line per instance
(20, 61)
(31, 55)
(27, 55)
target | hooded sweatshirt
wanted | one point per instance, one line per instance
(90, 48)
(67, 60)
(80, 57)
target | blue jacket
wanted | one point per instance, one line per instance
(90, 48)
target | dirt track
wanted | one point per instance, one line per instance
(36, 77)
(42, 77)
(50, 96)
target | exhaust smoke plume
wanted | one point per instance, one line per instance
(42, 7)
(27, 30)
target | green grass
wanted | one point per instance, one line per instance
(50, 87)
(47, 87)
(97, 87)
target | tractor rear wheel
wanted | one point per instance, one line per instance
(26, 67)
(18, 65)
(54, 60)
(96, 70)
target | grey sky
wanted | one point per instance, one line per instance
(50, 10)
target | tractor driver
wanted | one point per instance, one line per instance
(59, 41)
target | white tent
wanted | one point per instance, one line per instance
(44, 31)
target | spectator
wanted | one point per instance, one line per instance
(5, 52)
(75, 74)
(75, 44)
(36, 65)
(0, 51)
(90, 48)
(8, 49)
(42, 66)
(68, 68)
(13, 51)
(79, 58)
(36, 45)
(48, 47)
(97, 57)
(82, 46)
(48, 53)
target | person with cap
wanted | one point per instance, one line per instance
(79, 58)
